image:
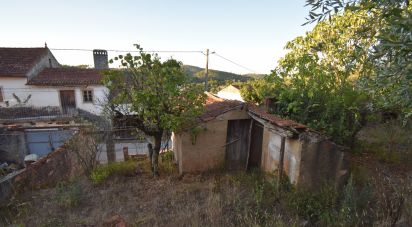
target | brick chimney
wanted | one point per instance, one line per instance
(101, 60)
(268, 104)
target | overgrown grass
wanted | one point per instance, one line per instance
(13, 210)
(130, 167)
(390, 142)
(251, 198)
(103, 172)
(360, 203)
(167, 164)
(69, 194)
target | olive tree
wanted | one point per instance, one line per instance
(157, 93)
(391, 53)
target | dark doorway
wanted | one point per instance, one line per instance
(237, 144)
(67, 100)
(255, 155)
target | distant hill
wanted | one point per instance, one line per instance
(198, 74)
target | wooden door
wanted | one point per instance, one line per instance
(237, 144)
(255, 155)
(67, 100)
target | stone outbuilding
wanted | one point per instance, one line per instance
(234, 135)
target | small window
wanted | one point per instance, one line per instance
(1, 95)
(87, 96)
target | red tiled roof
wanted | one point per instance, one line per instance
(216, 106)
(17, 62)
(71, 76)
(275, 120)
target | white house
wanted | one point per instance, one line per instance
(33, 77)
(231, 92)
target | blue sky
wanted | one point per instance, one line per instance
(251, 33)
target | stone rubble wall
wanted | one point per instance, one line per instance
(59, 165)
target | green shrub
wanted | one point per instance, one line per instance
(101, 173)
(167, 156)
(313, 205)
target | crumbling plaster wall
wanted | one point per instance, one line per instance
(271, 154)
(322, 161)
(309, 159)
(209, 149)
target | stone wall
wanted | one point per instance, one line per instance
(59, 165)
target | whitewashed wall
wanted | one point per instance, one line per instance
(49, 96)
(230, 95)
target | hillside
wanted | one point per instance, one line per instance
(198, 74)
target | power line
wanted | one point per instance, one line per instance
(131, 51)
(158, 51)
(233, 62)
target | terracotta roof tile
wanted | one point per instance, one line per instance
(71, 76)
(216, 106)
(275, 120)
(17, 62)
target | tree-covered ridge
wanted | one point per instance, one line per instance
(198, 74)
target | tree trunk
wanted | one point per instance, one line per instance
(110, 148)
(150, 149)
(156, 150)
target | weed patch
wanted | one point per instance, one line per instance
(101, 173)
(166, 164)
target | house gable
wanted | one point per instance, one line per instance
(25, 62)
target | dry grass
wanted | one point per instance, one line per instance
(169, 200)
(210, 199)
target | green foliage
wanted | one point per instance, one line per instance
(391, 86)
(103, 172)
(167, 164)
(158, 93)
(255, 91)
(391, 22)
(359, 60)
(315, 83)
(313, 205)
(168, 156)
(69, 194)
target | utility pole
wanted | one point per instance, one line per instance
(207, 70)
